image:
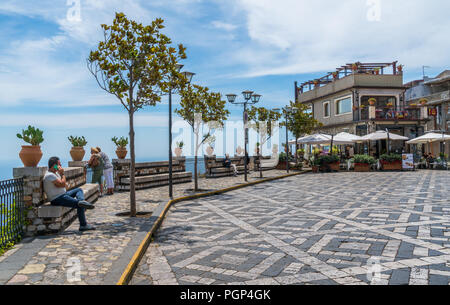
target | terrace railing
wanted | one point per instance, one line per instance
(12, 211)
(392, 114)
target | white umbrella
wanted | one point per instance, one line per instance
(346, 138)
(315, 139)
(429, 138)
(382, 135)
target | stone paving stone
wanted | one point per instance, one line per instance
(325, 237)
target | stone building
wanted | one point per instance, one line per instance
(362, 98)
(434, 94)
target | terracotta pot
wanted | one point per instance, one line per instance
(121, 152)
(315, 169)
(391, 166)
(30, 155)
(335, 166)
(178, 152)
(77, 153)
(360, 167)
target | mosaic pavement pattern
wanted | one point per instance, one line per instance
(337, 228)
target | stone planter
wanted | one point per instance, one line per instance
(334, 166)
(77, 153)
(178, 152)
(361, 167)
(391, 166)
(121, 153)
(30, 155)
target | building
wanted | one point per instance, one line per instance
(362, 98)
(434, 95)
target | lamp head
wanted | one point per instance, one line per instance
(256, 98)
(247, 95)
(188, 76)
(231, 98)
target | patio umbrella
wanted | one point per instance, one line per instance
(346, 138)
(429, 138)
(382, 135)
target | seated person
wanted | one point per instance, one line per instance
(55, 188)
(227, 163)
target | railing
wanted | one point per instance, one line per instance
(12, 211)
(390, 114)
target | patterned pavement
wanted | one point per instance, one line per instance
(336, 228)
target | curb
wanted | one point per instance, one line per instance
(162, 211)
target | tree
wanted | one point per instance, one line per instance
(199, 105)
(137, 64)
(261, 121)
(300, 122)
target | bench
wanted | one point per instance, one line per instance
(267, 163)
(150, 174)
(215, 168)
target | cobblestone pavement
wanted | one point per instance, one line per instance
(311, 229)
(103, 254)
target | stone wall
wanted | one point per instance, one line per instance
(41, 217)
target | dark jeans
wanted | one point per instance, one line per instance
(68, 200)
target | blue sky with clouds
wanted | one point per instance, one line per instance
(263, 45)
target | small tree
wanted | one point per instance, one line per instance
(261, 120)
(137, 64)
(300, 122)
(199, 105)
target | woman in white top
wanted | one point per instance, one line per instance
(107, 172)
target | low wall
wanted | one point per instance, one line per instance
(41, 217)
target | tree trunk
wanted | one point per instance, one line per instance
(260, 167)
(195, 164)
(133, 165)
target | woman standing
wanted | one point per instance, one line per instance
(107, 172)
(96, 164)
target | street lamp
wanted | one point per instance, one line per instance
(188, 76)
(250, 99)
(287, 111)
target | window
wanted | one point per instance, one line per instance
(326, 109)
(344, 105)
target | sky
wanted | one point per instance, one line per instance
(232, 45)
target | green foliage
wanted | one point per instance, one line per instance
(11, 218)
(120, 142)
(77, 141)
(327, 159)
(136, 63)
(258, 115)
(180, 144)
(282, 157)
(32, 136)
(301, 121)
(443, 156)
(391, 157)
(364, 159)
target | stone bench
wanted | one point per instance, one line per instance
(42, 218)
(150, 174)
(215, 168)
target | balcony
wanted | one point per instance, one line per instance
(391, 114)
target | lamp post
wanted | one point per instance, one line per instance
(188, 76)
(250, 98)
(288, 111)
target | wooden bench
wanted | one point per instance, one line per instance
(267, 163)
(215, 168)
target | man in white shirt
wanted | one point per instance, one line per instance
(55, 188)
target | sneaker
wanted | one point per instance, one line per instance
(86, 205)
(87, 228)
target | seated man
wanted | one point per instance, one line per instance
(227, 163)
(55, 188)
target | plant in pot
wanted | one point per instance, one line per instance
(315, 164)
(329, 162)
(121, 144)
(423, 101)
(391, 161)
(179, 149)
(363, 163)
(77, 152)
(400, 69)
(31, 154)
(377, 71)
(335, 75)
(300, 152)
(372, 101)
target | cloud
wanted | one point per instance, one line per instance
(78, 121)
(224, 26)
(300, 36)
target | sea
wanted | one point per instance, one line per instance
(6, 166)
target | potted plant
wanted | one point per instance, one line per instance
(316, 83)
(363, 163)
(121, 144)
(335, 75)
(179, 149)
(372, 101)
(31, 154)
(400, 68)
(389, 105)
(300, 152)
(77, 152)
(423, 101)
(329, 162)
(391, 161)
(315, 164)
(354, 67)
(377, 71)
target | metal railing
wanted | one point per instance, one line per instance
(389, 114)
(12, 211)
